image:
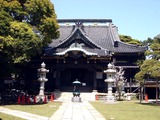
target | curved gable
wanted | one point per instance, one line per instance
(77, 36)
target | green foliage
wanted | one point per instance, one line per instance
(5, 20)
(151, 68)
(14, 8)
(25, 26)
(48, 29)
(154, 51)
(1, 42)
(38, 10)
(140, 76)
(157, 37)
(148, 41)
(41, 14)
(139, 62)
(22, 43)
(129, 40)
(37, 13)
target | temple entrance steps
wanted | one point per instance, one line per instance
(67, 96)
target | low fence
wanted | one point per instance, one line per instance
(22, 98)
(100, 96)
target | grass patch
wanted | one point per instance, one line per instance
(128, 111)
(9, 117)
(39, 109)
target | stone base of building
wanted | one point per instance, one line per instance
(110, 99)
(94, 91)
(76, 99)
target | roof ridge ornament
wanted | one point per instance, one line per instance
(75, 45)
(79, 24)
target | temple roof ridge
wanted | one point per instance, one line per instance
(131, 45)
(113, 30)
(84, 20)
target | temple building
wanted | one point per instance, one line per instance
(82, 52)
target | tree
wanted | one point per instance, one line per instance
(40, 13)
(154, 49)
(26, 26)
(120, 81)
(147, 42)
(21, 44)
(151, 67)
(129, 40)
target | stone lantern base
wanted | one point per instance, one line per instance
(76, 99)
(41, 99)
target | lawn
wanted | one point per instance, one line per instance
(9, 117)
(126, 110)
(41, 109)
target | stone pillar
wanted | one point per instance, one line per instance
(41, 92)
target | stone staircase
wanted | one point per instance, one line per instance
(67, 96)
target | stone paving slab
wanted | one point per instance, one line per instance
(24, 115)
(77, 111)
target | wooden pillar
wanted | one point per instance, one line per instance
(130, 80)
(94, 82)
(156, 91)
(57, 83)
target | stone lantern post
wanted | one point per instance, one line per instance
(111, 72)
(42, 79)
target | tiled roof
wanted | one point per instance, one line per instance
(105, 37)
(65, 32)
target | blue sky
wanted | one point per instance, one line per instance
(139, 19)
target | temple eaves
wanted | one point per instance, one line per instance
(85, 20)
(77, 49)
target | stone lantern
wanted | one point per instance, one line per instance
(111, 72)
(42, 79)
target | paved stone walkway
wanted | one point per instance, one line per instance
(67, 111)
(77, 111)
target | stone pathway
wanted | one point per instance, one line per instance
(67, 111)
(77, 111)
